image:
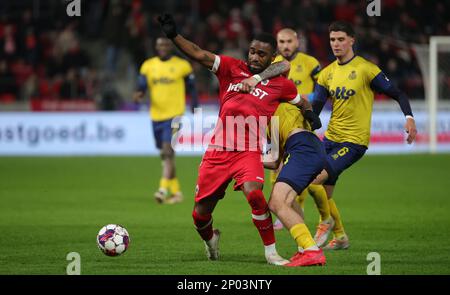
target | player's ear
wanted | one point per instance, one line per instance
(352, 41)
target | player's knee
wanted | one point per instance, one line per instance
(274, 205)
(167, 153)
(200, 220)
(277, 202)
(256, 200)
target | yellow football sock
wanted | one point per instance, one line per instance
(164, 183)
(174, 185)
(300, 199)
(319, 195)
(338, 227)
(302, 236)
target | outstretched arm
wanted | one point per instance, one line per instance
(190, 49)
(275, 69)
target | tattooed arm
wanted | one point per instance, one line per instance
(273, 70)
(194, 52)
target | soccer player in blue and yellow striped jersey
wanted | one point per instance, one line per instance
(304, 72)
(167, 77)
(350, 83)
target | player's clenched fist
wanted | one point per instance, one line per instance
(168, 25)
(313, 119)
(247, 85)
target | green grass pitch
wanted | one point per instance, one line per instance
(398, 206)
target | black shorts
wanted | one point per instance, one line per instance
(304, 159)
(340, 156)
(162, 131)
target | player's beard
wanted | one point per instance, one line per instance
(291, 56)
(257, 70)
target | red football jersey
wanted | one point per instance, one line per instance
(243, 117)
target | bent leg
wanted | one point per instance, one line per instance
(281, 199)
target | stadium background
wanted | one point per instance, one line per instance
(60, 73)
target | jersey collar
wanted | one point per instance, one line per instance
(343, 64)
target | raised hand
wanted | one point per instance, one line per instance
(168, 25)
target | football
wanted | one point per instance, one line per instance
(113, 240)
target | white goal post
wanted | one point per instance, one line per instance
(433, 96)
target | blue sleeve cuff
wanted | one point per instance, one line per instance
(142, 83)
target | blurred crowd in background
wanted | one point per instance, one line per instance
(44, 54)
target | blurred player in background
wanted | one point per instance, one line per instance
(304, 158)
(227, 157)
(167, 77)
(304, 72)
(350, 82)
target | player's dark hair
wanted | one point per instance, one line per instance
(267, 38)
(341, 26)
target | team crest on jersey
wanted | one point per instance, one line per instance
(172, 69)
(352, 75)
(299, 69)
(330, 76)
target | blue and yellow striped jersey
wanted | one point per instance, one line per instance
(349, 88)
(304, 72)
(167, 88)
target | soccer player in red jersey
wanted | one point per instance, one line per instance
(236, 154)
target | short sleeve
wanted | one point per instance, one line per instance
(372, 71)
(186, 68)
(289, 92)
(322, 78)
(144, 68)
(222, 65)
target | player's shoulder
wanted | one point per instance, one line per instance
(365, 64)
(153, 59)
(230, 60)
(308, 59)
(328, 69)
(361, 61)
(148, 64)
(150, 60)
(179, 60)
